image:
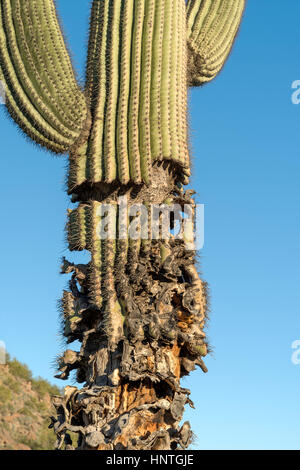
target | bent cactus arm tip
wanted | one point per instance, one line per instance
(212, 26)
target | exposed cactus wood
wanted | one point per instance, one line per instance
(134, 417)
(212, 26)
(146, 332)
(43, 96)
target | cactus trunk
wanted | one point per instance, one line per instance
(138, 308)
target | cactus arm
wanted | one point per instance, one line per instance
(212, 26)
(42, 93)
(20, 118)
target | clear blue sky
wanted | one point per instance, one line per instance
(245, 135)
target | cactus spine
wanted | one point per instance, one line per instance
(138, 307)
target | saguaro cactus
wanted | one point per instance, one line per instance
(138, 307)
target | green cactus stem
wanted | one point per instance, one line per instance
(136, 82)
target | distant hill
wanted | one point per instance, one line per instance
(25, 408)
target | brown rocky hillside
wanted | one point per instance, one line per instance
(25, 407)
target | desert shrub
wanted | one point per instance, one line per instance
(5, 395)
(45, 439)
(20, 370)
(43, 387)
(36, 405)
(12, 384)
(26, 411)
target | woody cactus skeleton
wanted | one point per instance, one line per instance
(138, 307)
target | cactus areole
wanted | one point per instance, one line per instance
(138, 307)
